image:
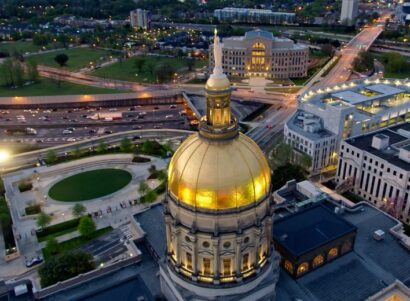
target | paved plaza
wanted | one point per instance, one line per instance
(113, 210)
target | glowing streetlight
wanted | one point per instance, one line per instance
(4, 155)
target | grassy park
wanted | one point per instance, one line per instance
(47, 87)
(127, 70)
(78, 57)
(90, 185)
(19, 46)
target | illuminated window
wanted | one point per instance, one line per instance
(206, 264)
(303, 268)
(189, 261)
(245, 262)
(288, 266)
(226, 266)
(333, 252)
(346, 247)
(318, 260)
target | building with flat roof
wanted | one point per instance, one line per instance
(328, 115)
(377, 168)
(350, 9)
(311, 238)
(140, 18)
(253, 16)
(259, 53)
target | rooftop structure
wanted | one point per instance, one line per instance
(312, 237)
(350, 9)
(344, 111)
(259, 53)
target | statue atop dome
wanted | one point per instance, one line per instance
(217, 55)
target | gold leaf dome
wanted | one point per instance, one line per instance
(218, 174)
(218, 83)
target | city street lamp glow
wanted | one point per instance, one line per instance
(4, 155)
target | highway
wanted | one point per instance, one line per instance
(30, 158)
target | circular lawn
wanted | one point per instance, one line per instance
(90, 185)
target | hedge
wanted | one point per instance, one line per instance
(73, 223)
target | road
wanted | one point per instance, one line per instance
(29, 158)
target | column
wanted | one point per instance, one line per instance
(256, 242)
(194, 276)
(238, 260)
(176, 248)
(215, 248)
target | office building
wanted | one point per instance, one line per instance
(253, 16)
(349, 12)
(139, 18)
(329, 115)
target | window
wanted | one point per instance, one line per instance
(347, 246)
(245, 262)
(303, 268)
(318, 260)
(288, 266)
(206, 266)
(226, 266)
(206, 244)
(332, 253)
(188, 261)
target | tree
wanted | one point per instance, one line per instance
(395, 62)
(101, 147)
(61, 59)
(191, 64)
(43, 220)
(164, 72)
(66, 266)
(143, 188)
(17, 73)
(282, 153)
(139, 63)
(52, 246)
(149, 197)
(76, 153)
(32, 71)
(78, 210)
(285, 173)
(327, 49)
(63, 39)
(126, 145)
(152, 169)
(51, 157)
(6, 73)
(86, 227)
(363, 62)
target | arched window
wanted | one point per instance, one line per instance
(206, 266)
(288, 266)
(303, 268)
(333, 252)
(318, 260)
(258, 45)
(347, 246)
(245, 262)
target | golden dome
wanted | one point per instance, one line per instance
(218, 83)
(218, 174)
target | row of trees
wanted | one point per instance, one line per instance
(14, 74)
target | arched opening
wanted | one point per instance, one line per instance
(288, 266)
(303, 268)
(318, 260)
(258, 60)
(347, 246)
(333, 252)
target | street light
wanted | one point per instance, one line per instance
(4, 155)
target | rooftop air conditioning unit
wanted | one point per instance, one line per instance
(378, 235)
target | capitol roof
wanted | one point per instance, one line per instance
(258, 33)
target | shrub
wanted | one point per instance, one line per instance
(33, 209)
(139, 159)
(25, 186)
(73, 223)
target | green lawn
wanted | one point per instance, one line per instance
(76, 242)
(20, 46)
(126, 70)
(397, 75)
(90, 185)
(50, 87)
(77, 57)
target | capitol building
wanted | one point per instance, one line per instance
(259, 53)
(218, 209)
